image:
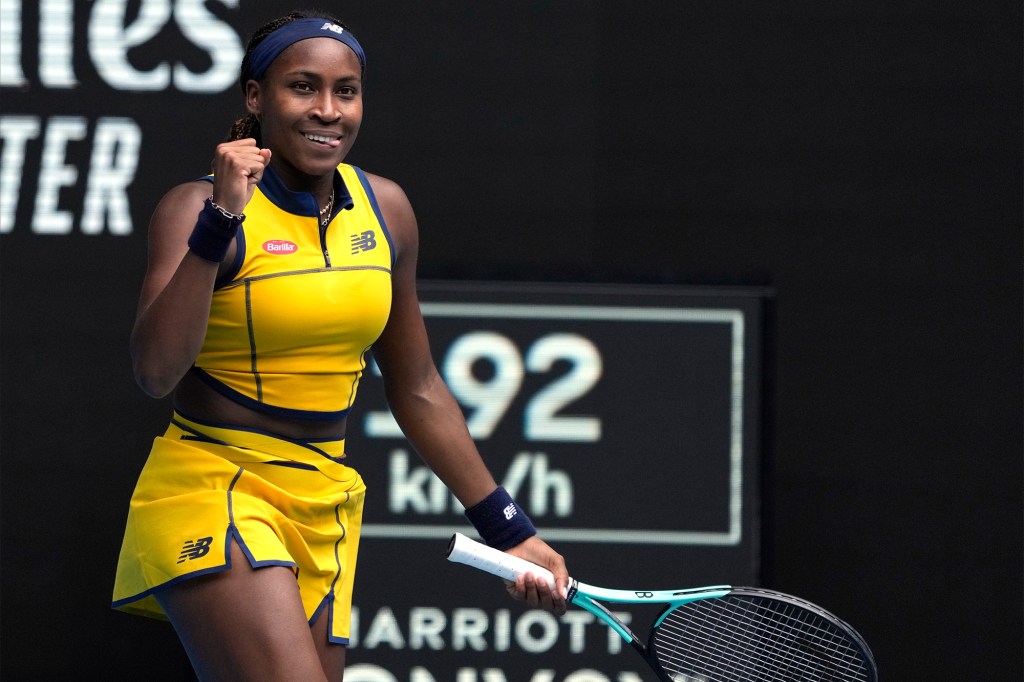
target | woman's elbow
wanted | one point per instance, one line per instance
(153, 386)
(155, 380)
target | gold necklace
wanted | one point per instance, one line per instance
(325, 212)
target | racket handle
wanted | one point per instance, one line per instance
(467, 551)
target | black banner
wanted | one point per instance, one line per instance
(625, 420)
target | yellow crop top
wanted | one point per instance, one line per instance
(292, 319)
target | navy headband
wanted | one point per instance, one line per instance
(289, 34)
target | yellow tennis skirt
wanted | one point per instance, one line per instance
(286, 503)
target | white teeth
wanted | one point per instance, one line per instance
(319, 138)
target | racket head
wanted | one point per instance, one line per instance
(756, 635)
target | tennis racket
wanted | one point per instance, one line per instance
(712, 634)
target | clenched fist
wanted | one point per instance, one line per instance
(237, 168)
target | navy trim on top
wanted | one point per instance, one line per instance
(365, 182)
(256, 405)
(302, 203)
(236, 262)
(308, 443)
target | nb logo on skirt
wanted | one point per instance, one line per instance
(193, 549)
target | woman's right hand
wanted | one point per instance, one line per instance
(237, 168)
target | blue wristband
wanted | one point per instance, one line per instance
(214, 231)
(500, 521)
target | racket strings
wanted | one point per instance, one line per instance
(750, 645)
(742, 638)
(766, 656)
(741, 657)
(771, 652)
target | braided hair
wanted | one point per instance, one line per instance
(249, 125)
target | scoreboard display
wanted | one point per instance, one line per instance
(626, 420)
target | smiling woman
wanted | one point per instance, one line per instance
(313, 95)
(268, 281)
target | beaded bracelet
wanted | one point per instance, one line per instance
(500, 521)
(215, 229)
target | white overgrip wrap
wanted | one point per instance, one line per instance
(465, 550)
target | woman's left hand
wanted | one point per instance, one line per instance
(535, 592)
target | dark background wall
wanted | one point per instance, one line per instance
(863, 160)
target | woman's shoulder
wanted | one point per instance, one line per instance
(393, 202)
(186, 197)
(384, 187)
(199, 188)
(389, 194)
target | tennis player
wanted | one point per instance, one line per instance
(267, 283)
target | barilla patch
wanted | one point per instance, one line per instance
(280, 247)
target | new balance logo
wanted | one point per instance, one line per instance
(193, 549)
(510, 511)
(363, 242)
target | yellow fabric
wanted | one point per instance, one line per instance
(289, 332)
(285, 503)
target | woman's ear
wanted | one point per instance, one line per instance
(252, 98)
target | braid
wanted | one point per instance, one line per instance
(249, 125)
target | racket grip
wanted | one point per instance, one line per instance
(467, 551)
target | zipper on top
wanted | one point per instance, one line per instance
(323, 244)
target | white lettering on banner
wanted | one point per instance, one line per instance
(487, 400)
(533, 620)
(15, 132)
(115, 158)
(541, 418)
(383, 630)
(416, 490)
(218, 39)
(545, 485)
(367, 672)
(110, 41)
(473, 629)
(502, 630)
(469, 627)
(11, 74)
(55, 174)
(577, 622)
(56, 44)
(116, 143)
(425, 627)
